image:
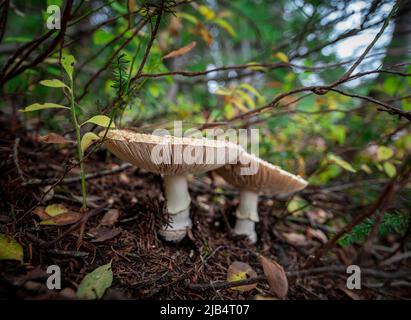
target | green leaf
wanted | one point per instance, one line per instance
(10, 249)
(67, 62)
(188, 17)
(54, 83)
(384, 153)
(100, 120)
(96, 283)
(296, 204)
(389, 169)
(101, 37)
(41, 106)
(338, 133)
(88, 139)
(391, 85)
(55, 209)
(341, 163)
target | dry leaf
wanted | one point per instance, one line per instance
(63, 219)
(276, 277)
(318, 215)
(54, 138)
(295, 238)
(110, 218)
(41, 213)
(316, 234)
(204, 33)
(261, 297)
(102, 234)
(181, 51)
(241, 271)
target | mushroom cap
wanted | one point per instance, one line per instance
(169, 155)
(268, 178)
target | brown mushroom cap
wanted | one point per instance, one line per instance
(137, 148)
(268, 178)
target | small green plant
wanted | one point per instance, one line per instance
(83, 141)
(392, 223)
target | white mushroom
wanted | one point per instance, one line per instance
(174, 158)
(264, 177)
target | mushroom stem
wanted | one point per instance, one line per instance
(178, 206)
(247, 214)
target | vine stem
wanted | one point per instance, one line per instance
(79, 151)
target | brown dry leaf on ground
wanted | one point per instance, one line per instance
(295, 238)
(276, 277)
(110, 218)
(102, 234)
(54, 138)
(56, 214)
(316, 234)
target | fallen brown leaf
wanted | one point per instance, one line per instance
(240, 271)
(102, 234)
(54, 138)
(63, 219)
(41, 213)
(181, 51)
(110, 218)
(276, 277)
(295, 238)
(316, 234)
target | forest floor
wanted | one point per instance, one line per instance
(144, 266)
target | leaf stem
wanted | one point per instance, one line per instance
(79, 151)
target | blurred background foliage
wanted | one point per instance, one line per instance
(330, 139)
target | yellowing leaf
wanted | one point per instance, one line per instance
(341, 163)
(384, 153)
(67, 61)
(95, 284)
(389, 169)
(238, 103)
(223, 92)
(10, 249)
(181, 51)
(55, 209)
(366, 168)
(246, 98)
(254, 91)
(282, 57)
(255, 66)
(225, 25)
(88, 139)
(100, 120)
(54, 83)
(229, 111)
(41, 106)
(206, 12)
(240, 271)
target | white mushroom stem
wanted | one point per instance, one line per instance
(178, 206)
(247, 215)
